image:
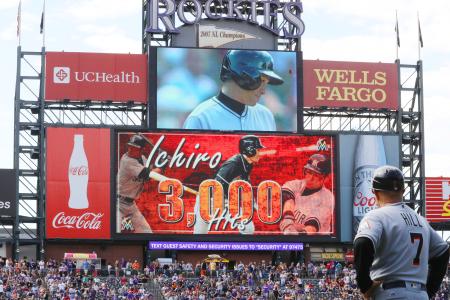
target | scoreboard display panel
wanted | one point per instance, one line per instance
(182, 183)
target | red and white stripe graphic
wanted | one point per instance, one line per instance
(437, 199)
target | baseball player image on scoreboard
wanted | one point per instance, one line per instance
(397, 253)
(308, 206)
(245, 75)
(131, 176)
(238, 167)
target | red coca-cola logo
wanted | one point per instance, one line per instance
(79, 170)
(85, 221)
(361, 200)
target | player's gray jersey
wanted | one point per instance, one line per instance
(128, 183)
(403, 242)
(316, 209)
(213, 114)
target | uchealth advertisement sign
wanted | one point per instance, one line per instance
(78, 183)
(437, 195)
(95, 76)
(350, 84)
(233, 184)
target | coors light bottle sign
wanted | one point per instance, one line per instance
(369, 155)
(78, 197)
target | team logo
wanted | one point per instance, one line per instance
(61, 75)
(126, 224)
(322, 145)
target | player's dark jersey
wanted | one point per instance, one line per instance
(234, 168)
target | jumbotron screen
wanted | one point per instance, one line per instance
(218, 89)
(204, 184)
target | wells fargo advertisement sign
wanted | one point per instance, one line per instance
(437, 195)
(78, 183)
(179, 183)
(350, 84)
(95, 76)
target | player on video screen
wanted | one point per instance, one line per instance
(308, 205)
(245, 75)
(238, 167)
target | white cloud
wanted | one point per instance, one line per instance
(108, 39)
(7, 135)
(350, 48)
(100, 9)
(114, 42)
(378, 17)
(9, 32)
(7, 4)
(436, 79)
(437, 128)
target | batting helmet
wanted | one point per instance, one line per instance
(319, 163)
(388, 178)
(248, 144)
(137, 141)
(245, 68)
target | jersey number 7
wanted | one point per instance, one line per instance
(417, 236)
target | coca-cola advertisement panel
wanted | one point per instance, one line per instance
(96, 76)
(235, 184)
(359, 156)
(78, 183)
(437, 197)
(350, 84)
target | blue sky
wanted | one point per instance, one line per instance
(348, 30)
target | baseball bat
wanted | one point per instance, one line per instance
(159, 177)
(306, 148)
(267, 152)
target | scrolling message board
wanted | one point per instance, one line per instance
(224, 184)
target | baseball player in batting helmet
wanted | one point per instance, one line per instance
(245, 75)
(131, 176)
(237, 167)
(308, 206)
(397, 253)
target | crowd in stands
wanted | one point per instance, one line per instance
(28, 279)
(258, 281)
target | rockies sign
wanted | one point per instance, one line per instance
(280, 18)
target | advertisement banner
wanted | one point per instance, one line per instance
(8, 195)
(78, 183)
(96, 76)
(359, 156)
(332, 256)
(350, 84)
(190, 183)
(437, 197)
(245, 90)
(211, 36)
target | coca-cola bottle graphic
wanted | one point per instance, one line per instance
(369, 155)
(78, 175)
